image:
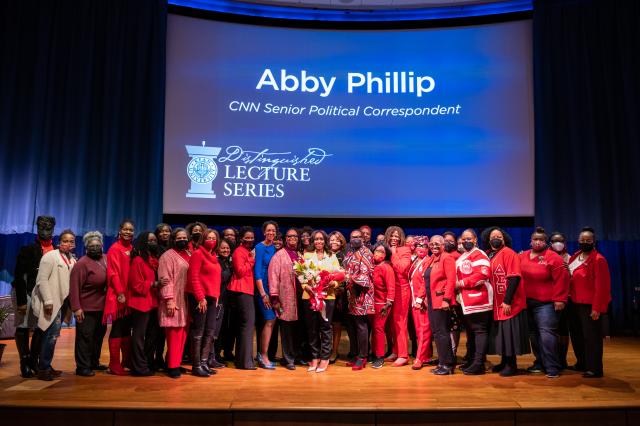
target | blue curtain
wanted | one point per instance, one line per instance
(81, 112)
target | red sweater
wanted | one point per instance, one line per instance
(401, 262)
(506, 264)
(141, 276)
(442, 280)
(591, 282)
(242, 278)
(472, 270)
(384, 283)
(205, 274)
(545, 277)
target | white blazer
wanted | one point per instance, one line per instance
(52, 286)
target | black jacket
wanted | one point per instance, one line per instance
(27, 265)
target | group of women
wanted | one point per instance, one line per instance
(173, 287)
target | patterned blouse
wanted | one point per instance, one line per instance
(359, 266)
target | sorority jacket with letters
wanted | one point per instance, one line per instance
(472, 271)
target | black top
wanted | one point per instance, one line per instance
(26, 271)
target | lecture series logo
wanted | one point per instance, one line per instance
(202, 170)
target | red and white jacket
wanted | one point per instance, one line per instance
(416, 279)
(473, 271)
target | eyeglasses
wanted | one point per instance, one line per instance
(292, 236)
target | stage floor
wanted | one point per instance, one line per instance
(339, 388)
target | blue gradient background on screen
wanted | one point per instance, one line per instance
(477, 163)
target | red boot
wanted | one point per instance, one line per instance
(114, 357)
(359, 364)
(126, 352)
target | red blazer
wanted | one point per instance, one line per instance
(472, 270)
(591, 282)
(384, 283)
(141, 276)
(118, 265)
(242, 278)
(401, 262)
(416, 279)
(205, 274)
(505, 264)
(545, 277)
(442, 279)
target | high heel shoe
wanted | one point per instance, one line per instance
(313, 366)
(265, 365)
(322, 367)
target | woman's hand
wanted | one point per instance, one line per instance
(79, 315)
(171, 308)
(506, 309)
(48, 310)
(202, 306)
(595, 315)
(307, 288)
(385, 309)
(122, 298)
(266, 301)
(163, 281)
(445, 305)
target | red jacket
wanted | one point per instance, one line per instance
(205, 274)
(242, 278)
(118, 264)
(141, 276)
(416, 279)
(401, 262)
(384, 283)
(591, 282)
(442, 280)
(545, 277)
(473, 270)
(505, 264)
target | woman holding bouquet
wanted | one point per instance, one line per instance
(319, 299)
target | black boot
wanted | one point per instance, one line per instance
(499, 367)
(196, 350)
(22, 343)
(36, 345)
(510, 367)
(207, 347)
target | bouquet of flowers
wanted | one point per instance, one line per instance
(318, 281)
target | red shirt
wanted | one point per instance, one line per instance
(401, 262)
(545, 277)
(505, 264)
(242, 278)
(141, 276)
(472, 270)
(384, 283)
(591, 282)
(442, 279)
(205, 274)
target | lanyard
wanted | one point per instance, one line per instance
(65, 260)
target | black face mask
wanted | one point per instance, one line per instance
(356, 244)
(468, 245)
(449, 247)
(154, 249)
(182, 244)
(195, 237)
(587, 247)
(496, 243)
(94, 252)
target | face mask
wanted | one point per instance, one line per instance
(378, 257)
(182, 244)
(94, 252)
(496, 243)
(153, 248)
(210, 244)
(247, 244)
(586, 247)
(421, 252)
(195, 237)
(468, 245)
(449, 246)
(356, 244)
(538, 245)
(65, 247)
(557, 246)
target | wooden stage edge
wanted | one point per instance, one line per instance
(339, 396)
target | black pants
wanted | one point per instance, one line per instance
(245, 317)
(360, 325)
(143, 339)
(586, 337)
(303, 351)
(226, 338)
(320, 331)
(440, 327)
(121, 327)
(287, 335)
(89, 336)
(353, 335)
(411, 328)
(203, 324)
(477, 326)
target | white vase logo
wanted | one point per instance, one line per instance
(202, 170)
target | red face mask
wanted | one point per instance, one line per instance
(378, 257)
(538, 245)
(421, 252)
(210, 244)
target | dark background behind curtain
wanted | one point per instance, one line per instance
(81, 125)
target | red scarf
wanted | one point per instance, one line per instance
(47, 245)
(153, 262)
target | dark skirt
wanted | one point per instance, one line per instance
(510, 337)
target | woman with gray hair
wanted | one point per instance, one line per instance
(88, 289)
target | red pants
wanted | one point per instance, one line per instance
(378, 338)
(423, 332)
(176, 337)
(400, 315)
